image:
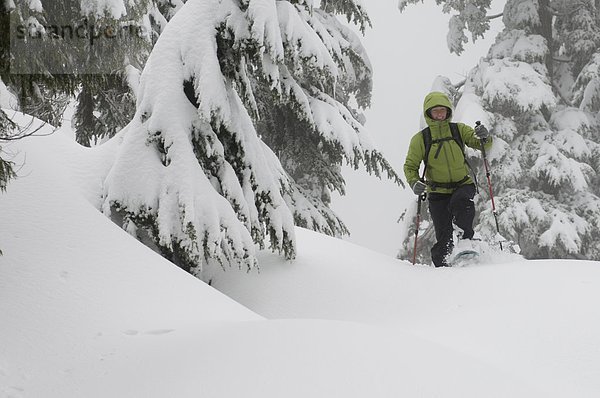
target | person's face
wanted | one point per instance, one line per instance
(439, 113)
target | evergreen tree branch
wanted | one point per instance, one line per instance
(562, 59)
(490, 17)
(23, 132)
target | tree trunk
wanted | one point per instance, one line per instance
(546, 31)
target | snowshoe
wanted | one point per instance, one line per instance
(463, 257)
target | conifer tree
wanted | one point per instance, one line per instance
(7, 127)
(90, 50)
(40, 92)
(7, 171)
(106, 100)
(538, 90)
(308, 156)
(105, 104)
(192, 173)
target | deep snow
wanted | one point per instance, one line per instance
(87, 311)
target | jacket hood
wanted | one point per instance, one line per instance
(434, 99)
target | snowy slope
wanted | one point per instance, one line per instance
(538, 320)
(87, 311)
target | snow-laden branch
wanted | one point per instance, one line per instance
(12, 132)
(490, 17)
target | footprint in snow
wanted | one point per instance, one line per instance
(156, 332)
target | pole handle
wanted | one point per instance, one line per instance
(483, 140)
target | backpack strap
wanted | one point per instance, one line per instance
(426, 134)
(428, 141)
(457, 137)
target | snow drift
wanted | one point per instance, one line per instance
(86, 310)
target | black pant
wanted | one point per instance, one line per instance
(457, 207)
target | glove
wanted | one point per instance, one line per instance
(419, 187)
(481, 132)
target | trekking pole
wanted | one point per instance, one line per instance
(489, 180)
(421, 199)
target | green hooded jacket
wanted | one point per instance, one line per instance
(450, 165)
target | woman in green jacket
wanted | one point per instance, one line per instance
(450, 188)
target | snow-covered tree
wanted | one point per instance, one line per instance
(36, 93)
(469, 15)
(106, 97)
(106, 101)
(7, 171)
(538, 89)
(192, 173)
(9, 131)
(6, 125)
(287, 125)
(84, 49)
(105, 105)
(166, 10)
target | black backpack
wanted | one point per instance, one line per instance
(428, 141)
